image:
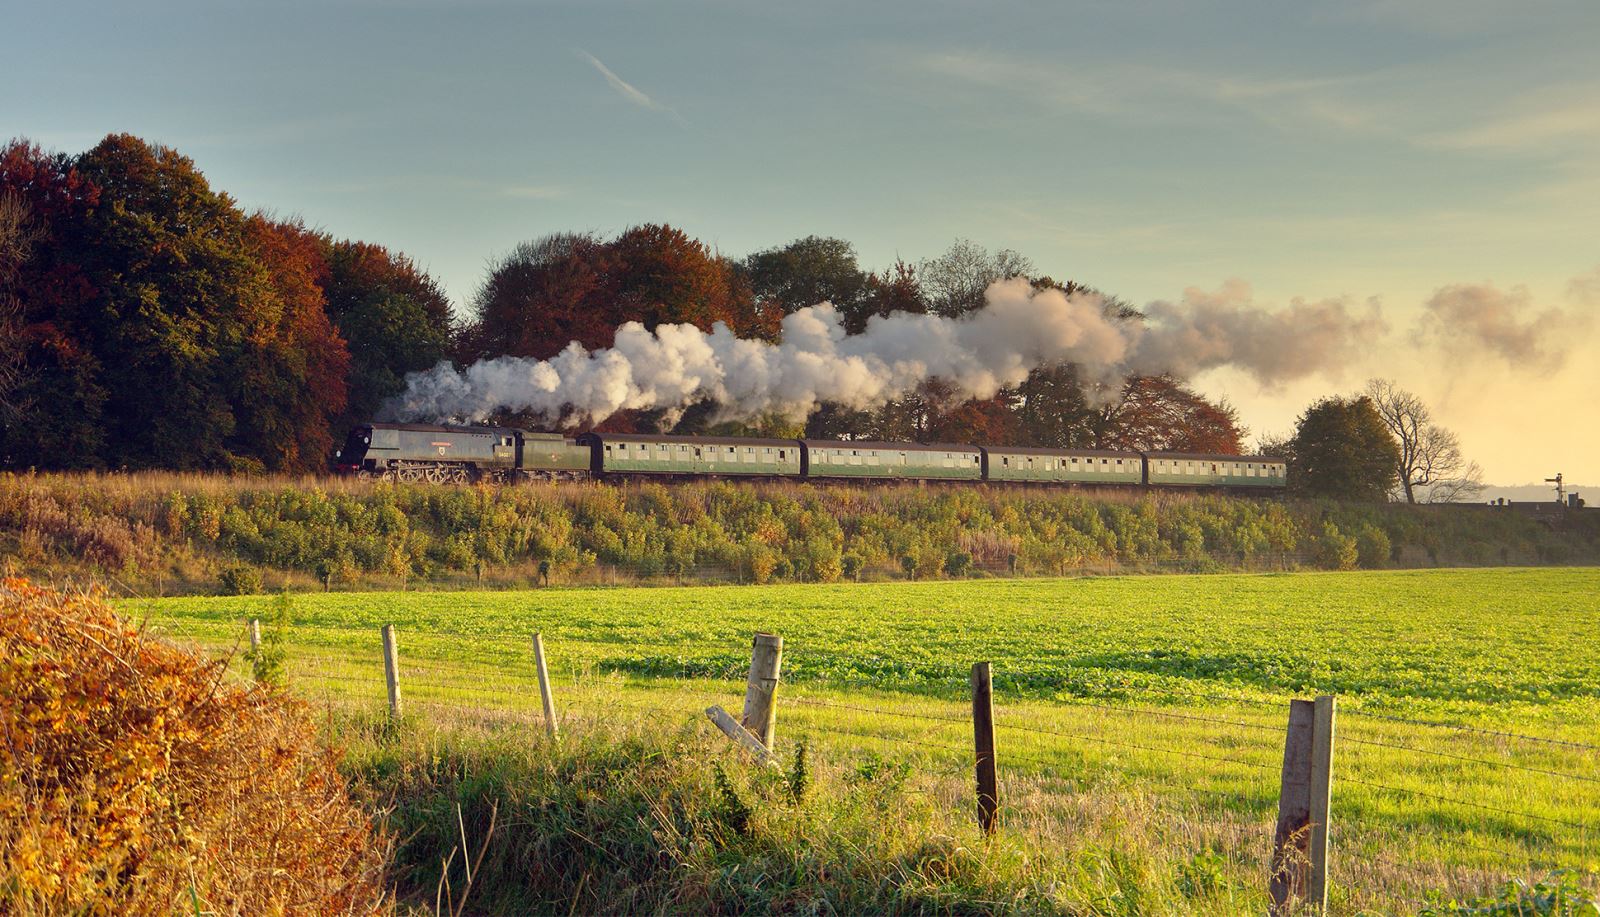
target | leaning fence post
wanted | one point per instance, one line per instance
(983, 745)
(544, 685)
(1300, 841)
(255, 637)
(735, 731)
(761, 688)
(391, 670)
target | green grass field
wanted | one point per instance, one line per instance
(1143, 711)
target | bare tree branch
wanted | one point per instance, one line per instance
(1461, 489)
(954, 282)
(1431, 464)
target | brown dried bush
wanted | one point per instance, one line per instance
(136, 779)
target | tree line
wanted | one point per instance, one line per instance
(148, 321)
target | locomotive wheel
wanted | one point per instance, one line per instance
(434, 474)
(409, 474)
(460, 475)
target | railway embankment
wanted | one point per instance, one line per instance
(174, 534)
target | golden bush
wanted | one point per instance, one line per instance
(136, 778)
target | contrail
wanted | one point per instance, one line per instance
(626, 89)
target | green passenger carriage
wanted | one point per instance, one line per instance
(860, 460)
(1062, 466)
(627, 453)
(1184, 469)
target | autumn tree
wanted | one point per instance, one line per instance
(1160, 414)
(548, 293)
(539, 297)
(291, 381)
(56, 398)
(990, 421)
(1430, 458)
(660, 274)
(161, 327)
(1342, 449)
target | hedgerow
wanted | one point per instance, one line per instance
(210, 533)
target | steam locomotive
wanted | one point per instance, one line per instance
(453, 454)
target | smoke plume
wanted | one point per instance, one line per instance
(1466, 319)
(1227, 328)
(1019, 329)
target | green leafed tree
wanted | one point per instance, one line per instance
(1342, 450)
(173, 284)
(393, 316)
(806, 272)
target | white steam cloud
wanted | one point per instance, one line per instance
(1019, 329)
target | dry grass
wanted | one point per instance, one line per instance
(135, 779)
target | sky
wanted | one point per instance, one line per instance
(1389, 154)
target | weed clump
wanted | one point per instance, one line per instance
(134, 779)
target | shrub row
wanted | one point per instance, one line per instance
(743, 532)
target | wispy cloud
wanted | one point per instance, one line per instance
(533, 192)
(1161, 94)
(1565, 118)
(627, 90)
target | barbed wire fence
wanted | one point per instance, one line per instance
(1417, 807)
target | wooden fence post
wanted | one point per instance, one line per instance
(255, 636)
(544, 686)
(1300, 842)
(761, 688)
(983, 745)
(391, 670)
(733, 730)
(1321, 798)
